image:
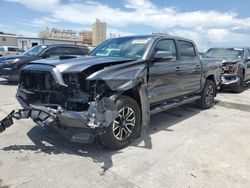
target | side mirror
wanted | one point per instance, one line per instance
(163, 56)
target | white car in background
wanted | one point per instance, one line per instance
(10, 50)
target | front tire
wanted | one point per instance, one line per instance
(207, 95)
(119, 133)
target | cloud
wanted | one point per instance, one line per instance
(44, 21)
(42, 5)
(119, 32)
(201, 26)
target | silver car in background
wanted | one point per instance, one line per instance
(10, 50)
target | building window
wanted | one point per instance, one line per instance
(4, 39)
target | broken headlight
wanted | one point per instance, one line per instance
(11, 61)
(230, 69)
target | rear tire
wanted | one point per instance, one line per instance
(119, 133)
(207, 95)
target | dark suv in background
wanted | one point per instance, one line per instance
(10, 65)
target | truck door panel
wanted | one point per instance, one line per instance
(190, 68)
(163, 79)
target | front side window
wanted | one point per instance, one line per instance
(128, 47)
(167, 45)
(187, 50)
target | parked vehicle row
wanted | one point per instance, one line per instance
(11, 65)
(110, 94)
(10, 50)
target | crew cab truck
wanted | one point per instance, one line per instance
(111, 97)
(235, 63)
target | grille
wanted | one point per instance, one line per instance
(37, 81)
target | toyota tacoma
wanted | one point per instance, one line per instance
(110, 96)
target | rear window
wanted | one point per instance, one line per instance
(187, 50)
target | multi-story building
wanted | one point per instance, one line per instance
(99, 32)
(114, 35)
(55, 33)
(86, 37)
(28, 42)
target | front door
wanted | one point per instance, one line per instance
(163, 82)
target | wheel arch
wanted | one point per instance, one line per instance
(212, 78)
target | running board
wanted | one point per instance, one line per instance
(169, 105)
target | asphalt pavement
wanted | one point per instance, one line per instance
(184, 147)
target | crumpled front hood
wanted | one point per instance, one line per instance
(225, 61)
(230, 62)
(79, 64)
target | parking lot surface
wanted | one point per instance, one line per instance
(184, 147)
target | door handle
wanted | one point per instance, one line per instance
(178, 70)
(198, 67)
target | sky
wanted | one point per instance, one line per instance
(210, 23)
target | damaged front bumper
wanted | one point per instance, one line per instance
(81, 127)
(230, 79)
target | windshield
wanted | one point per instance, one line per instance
(227, 53)
(127, 47)
(35, 51)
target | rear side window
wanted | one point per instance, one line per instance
(187, 50)
(73, 51)
(54, 52)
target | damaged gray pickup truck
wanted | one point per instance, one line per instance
(110, 94)
(235, 64)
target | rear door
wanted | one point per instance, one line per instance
(189, 68)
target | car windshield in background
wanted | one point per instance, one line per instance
(127, 47)
(35, 51)
(227, 53)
